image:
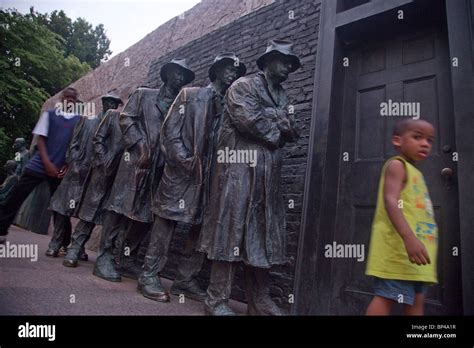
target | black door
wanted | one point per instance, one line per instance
(408, 68)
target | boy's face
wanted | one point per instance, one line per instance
(416, 142)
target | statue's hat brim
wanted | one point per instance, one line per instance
(279, 47)
(113, 97)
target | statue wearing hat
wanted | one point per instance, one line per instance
(67, 198)
(188, 143)
(102, 161)
(140, 168)
(10, 168)
(247, 224)
(22, 155)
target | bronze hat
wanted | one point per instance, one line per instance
(112, 96)
(181, 63)
(279, 47)
(227, 57)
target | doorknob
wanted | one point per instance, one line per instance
(447, 173)
(446, 148)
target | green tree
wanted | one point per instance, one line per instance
(33, 67)
(80, 38)
(60, 24)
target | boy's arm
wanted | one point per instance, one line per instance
(51, 169)
(395, 175)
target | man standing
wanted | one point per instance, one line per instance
(247, 223)
(188, 142)
(140, 169)
(75, 182)
(54, 129)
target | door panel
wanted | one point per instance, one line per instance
(412, 68)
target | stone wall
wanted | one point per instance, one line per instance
(248, 37)
(128, 70)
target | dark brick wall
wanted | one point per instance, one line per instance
(248, 37)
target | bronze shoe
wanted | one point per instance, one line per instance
(151, 288)
(69, 263)
(105, 269)
(190, 290)
(52, 253)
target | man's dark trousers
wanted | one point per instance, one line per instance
(29, 180)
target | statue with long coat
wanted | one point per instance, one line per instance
(102, 166)
(245, 221)
(129, 202)
(108, 150)
(188, 142)
(67, 197)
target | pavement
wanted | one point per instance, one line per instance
(45, 287)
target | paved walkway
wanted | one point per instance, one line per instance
(46, 287)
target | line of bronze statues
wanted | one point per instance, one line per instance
(154, 164)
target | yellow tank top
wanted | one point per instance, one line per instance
(388, 258)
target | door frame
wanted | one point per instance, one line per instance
(312, 281)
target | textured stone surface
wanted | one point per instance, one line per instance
(45, 286)
(128, 70)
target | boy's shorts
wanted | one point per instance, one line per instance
(401, 291)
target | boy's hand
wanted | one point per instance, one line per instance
(51, 169)
(417, 252)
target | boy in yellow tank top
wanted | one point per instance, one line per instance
(404, 241)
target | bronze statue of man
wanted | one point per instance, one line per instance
(10, 168)
(141, 166)
(188, 142)
(102, 162)
(66, 199)
(247, 223)
(22, 155)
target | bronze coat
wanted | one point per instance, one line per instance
(245, 220)
(67, 198)
(187, 142)
(107, 151)
(140, 122)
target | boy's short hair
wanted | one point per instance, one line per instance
(404, 125)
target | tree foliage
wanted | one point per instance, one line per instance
(35, 63)
(89, 44)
